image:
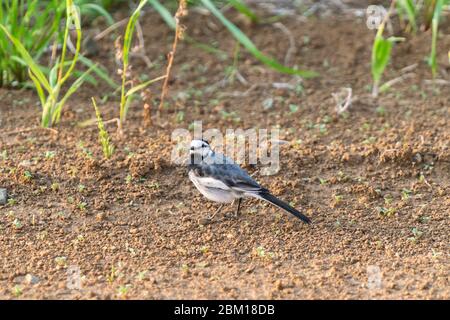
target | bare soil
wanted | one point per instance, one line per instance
(375, 181)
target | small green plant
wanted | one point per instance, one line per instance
(28, 176)
(33, 23)
(293, 108)
(204, 249)
(386, 212)
(381, 54)
(61, 261)
(262, 253)
(406, 194)
(185, 268)
(113, 274)
(49, 154)
(82, 206)
(430, 13)
(417, 234)
(17, 224)
(235, 32)
(49, 90)
(180, 116)
(54, 186)
(407, 8)
(122, 291)
(388, 198)
(17, 291)
(86, 152)
(439, 4)
(141, 275)
(127, 96)
(233, 116)
(107, 147)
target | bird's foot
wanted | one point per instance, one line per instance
(211, 216)
(231, 215)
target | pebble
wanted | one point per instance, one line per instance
(204, 221)
(31, 279)
(25, 163)
(3, 196)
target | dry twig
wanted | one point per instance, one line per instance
(292, 48)
(342, 105)
(28, 130)
(179, 31)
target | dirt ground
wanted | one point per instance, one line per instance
(375, 180)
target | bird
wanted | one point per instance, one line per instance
(220, 179)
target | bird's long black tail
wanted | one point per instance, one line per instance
(283, 205)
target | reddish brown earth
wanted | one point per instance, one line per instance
(375, 182)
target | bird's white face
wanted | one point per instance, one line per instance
(200, 148)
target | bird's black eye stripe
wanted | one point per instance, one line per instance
(192, 148)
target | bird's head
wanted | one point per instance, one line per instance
(199, 148)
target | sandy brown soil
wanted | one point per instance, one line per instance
(376, 181)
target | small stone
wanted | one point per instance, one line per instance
(3, 196)
(31, 279)
(249, 270)
(204, 221)
(25, 163)
(278, 285)
(100, 216)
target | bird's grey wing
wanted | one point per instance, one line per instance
(220, 167)
(204, 174)
(236, 178)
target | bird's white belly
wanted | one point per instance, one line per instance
(212, 189)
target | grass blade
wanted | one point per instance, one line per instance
(107, 147)
(164, 13)
(244, 9)
(28, 59)
(73, 88)
(409, 7)
(248, 44)
(432, 61)
(100, 10)
(125, 58)
(101, 72)
(143, 85)
(38, 87)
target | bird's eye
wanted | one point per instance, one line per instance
(192, 148)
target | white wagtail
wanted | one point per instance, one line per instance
(219, 179)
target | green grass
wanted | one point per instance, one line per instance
(434, 28)
(107, 147)
(236, 33)
(381, 54)
(49, 89)
(428, 14)
(34, 23)
(127, 95)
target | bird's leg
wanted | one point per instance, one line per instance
(210, 217)
(238, 207)
(236, 213)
